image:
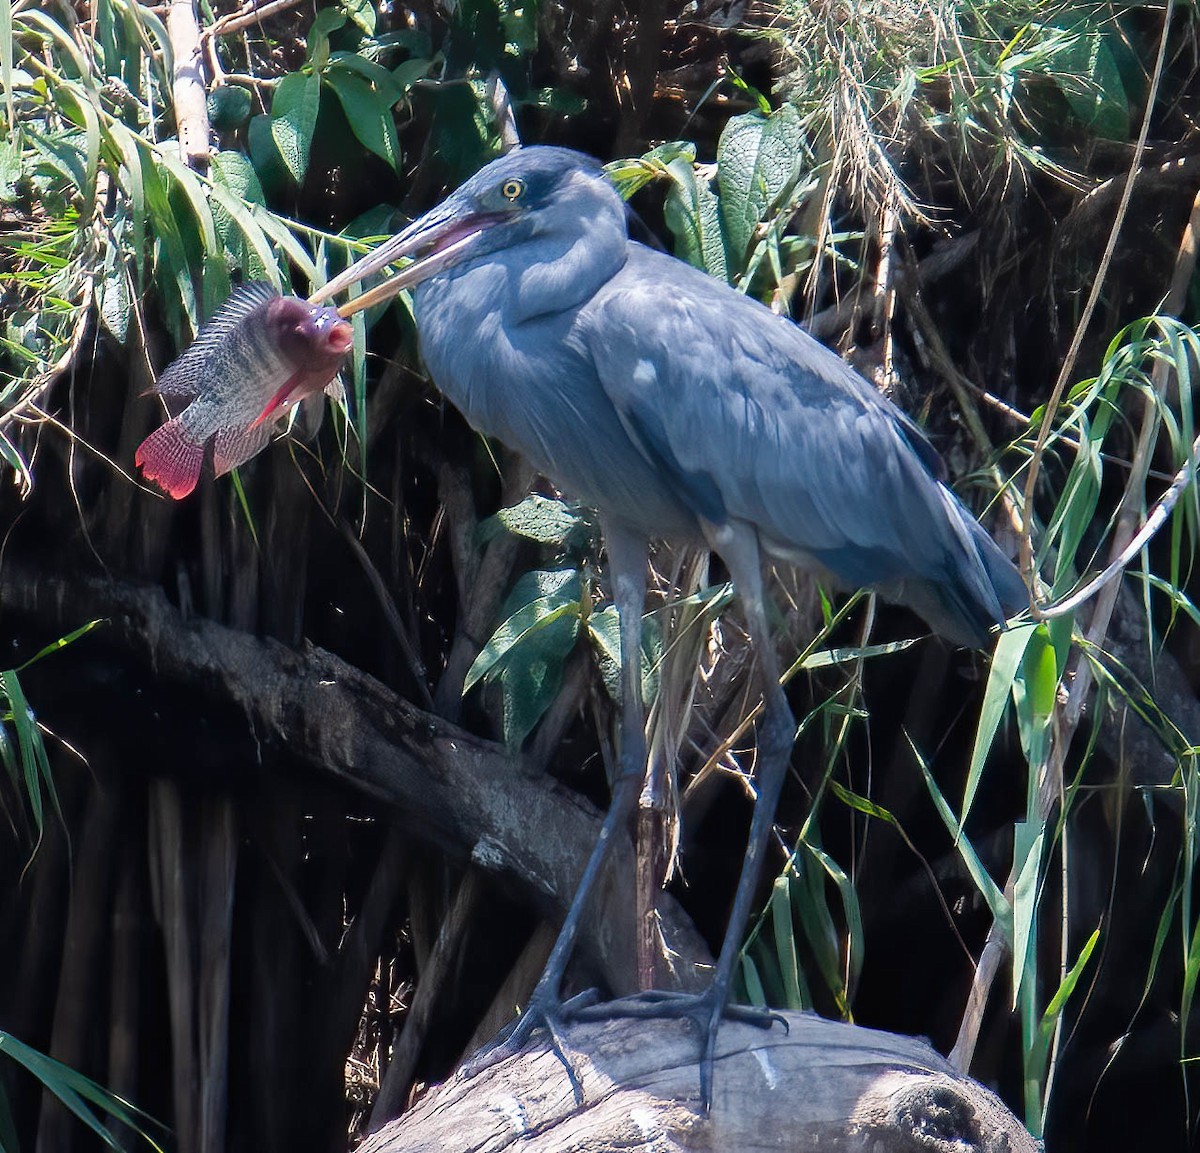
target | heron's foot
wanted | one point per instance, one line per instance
(705, 1010)
(544, 1011)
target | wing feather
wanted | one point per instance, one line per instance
(749, 417)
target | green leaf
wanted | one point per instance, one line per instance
(1034, 693)
(78, 1093)
(797, 996)
(751, 981)
(1087, 74)
(10, 168)
(235, 186)
(294, 119)
(1010, 650)
(758, 160)
(997, 903)
(376, 74)
(327, 20)
(539, 518)
(362, 12)
(531, 677)
(693, 214)
(1028, 854)
(229, 107)
(6, 68)
(61, 643)
(116, 295)
(537, 600)
(604, 632)
(369, 113)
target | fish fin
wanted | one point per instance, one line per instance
(186, 377)
(309, 416)
(171, 459)
(336, 390)
(235, 446)
(277, 400)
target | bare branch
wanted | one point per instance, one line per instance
(466, 794)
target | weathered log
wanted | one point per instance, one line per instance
(820, 1085)
(445, 785)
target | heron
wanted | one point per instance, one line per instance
(681, 410)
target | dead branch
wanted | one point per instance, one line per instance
(188, 92)
(819, 1085)
(466, 794)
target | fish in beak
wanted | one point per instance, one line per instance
(256, 358)
(436, 241)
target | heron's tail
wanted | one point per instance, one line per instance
(981, 590)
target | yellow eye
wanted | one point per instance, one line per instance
(512, 189)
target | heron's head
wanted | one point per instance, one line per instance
(528, 194)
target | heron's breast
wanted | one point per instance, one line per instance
(532, 387)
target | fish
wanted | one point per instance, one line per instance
(260, 354)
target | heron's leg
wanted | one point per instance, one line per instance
(737, 545)
(627, 566)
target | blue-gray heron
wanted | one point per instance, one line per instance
(683, 410)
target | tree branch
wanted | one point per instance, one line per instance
(466, 794)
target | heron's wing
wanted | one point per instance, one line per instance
(747, 416)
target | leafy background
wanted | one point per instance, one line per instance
(984, 206)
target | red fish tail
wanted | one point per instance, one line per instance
(171, 459)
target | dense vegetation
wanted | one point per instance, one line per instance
(243, 877)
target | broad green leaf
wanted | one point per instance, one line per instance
(539, 518)
(758, 159)
(294, 119)
(537, 600)
(362, 12)
(376, 74)
(1087, 74)
(369, 113)
(604, 632)
(116, 296)
(10, 169)
(693, 215)
(268, 161)
(327, 20)
(532, 675)
(229, 107)
(408, 73)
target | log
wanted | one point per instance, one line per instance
(468, 795)
(820, 1085)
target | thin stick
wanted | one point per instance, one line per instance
(250, 15)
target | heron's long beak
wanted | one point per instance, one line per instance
(438, 239)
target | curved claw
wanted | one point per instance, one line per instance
(705, 1009)
(542, 1012)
